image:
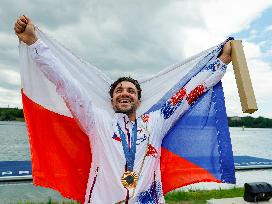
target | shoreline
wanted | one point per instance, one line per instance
(242, 127)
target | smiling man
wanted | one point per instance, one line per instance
(126, 147)
(125, 96)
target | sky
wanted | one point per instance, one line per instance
(141, 38)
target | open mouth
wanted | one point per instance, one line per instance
(124, 101)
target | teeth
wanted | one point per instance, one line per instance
(124, 101)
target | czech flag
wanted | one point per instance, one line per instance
(196, 149)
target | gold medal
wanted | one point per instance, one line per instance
(130, 179)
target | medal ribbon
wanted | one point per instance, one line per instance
(129, 152)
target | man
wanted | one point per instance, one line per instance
(125, 146)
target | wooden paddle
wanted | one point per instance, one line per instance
(243, 82)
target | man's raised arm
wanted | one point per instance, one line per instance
(185, 97)
(75, 97)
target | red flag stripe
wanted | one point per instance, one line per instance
(178, 172)
(60, 151)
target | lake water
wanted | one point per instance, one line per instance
(14, 146)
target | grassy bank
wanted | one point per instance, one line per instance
(182, 197)
(200, 197)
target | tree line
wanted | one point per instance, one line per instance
(11, 114)
(251, 122)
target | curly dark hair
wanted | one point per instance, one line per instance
(129, 79)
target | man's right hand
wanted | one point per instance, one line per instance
(25, 30)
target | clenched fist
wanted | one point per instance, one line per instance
(226, 53)
(25, 30)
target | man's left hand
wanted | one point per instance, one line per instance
(226, 54)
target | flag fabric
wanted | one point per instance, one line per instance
(196, 149)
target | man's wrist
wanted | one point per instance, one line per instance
(32, 40)
(225, 58)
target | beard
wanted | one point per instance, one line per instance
(125, 110)
(128, 108)
(125, 104)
